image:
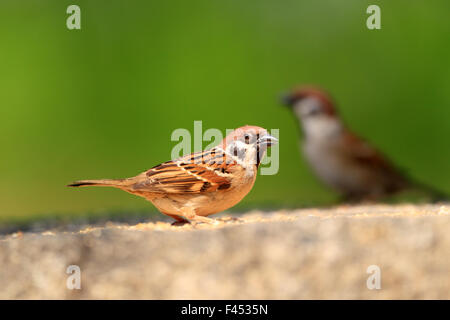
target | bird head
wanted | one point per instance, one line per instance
(247, 145)
(314, 109)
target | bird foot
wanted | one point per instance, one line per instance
(179, 223)
(199, 220)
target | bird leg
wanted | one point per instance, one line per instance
(179, 221)
(190, 215)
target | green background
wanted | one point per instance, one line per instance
(103, 101)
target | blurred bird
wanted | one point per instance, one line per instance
(341, 159)
(192, 187)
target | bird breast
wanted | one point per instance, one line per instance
(208, 203)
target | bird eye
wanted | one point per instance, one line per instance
(247, 138)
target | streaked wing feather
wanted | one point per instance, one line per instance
(365, 154)
(196, 173)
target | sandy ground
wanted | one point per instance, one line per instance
(300, 254)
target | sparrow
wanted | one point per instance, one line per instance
(341, 159)
(194, 186)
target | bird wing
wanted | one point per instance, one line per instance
(196, 173)
(364, 154)
(367, 155)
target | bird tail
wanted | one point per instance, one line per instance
(117, 183)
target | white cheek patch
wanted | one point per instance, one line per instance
(236, 152)
(240, 145)
(243, 151)
(305, 106)
(321, 128)
(247, 153)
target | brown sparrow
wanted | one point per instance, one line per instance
(200, 184)
(341, 159)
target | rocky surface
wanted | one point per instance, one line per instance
(300, 254)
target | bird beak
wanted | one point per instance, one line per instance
(287, 99)
(267, 140)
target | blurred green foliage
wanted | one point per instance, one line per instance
(102, 101)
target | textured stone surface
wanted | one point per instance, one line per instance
(300, 254)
